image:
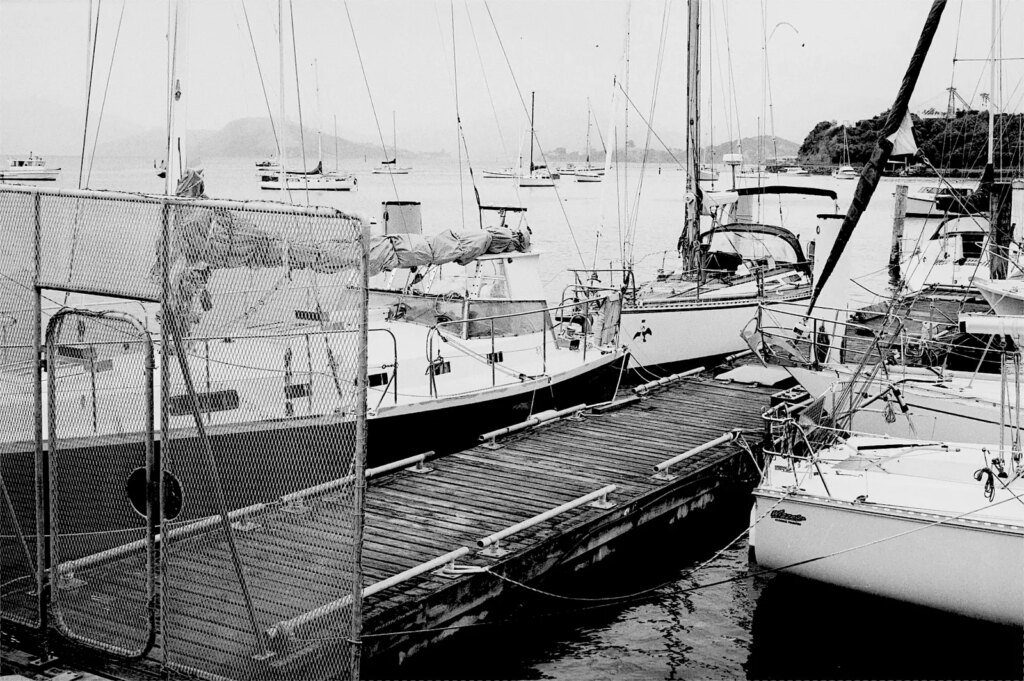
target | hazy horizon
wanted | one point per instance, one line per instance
(827, 60)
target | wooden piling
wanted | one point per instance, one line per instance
(898, 216)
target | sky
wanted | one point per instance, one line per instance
(364, 62)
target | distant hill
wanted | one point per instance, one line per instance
(769, 147)
(245, 137)
(959, 142)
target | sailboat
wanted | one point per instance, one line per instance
(274, 175)
(538, 174)
(585, 172)
(845, 171)
(390, 166)
(698, 310)
(901, 517)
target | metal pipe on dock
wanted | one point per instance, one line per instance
(721, 440)
(546, 515)
(641, 389)
(239, 513)
(286, 628)
(536, 420)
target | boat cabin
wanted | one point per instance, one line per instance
(739, 249)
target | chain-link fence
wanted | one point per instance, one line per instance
(21, 516)
(216, 527)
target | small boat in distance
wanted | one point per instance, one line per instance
(539, 175)
(272, 177)
(845, 171)
(32, 169)
(390, 166)
(794, 170)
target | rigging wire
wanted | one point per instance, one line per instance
(369, 95)
(487, 85)
(631, 226)
(263, 84)
(522, 101)
(458, 118)
(88, 95)
(106, 89)
(298, 100)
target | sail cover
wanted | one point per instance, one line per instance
(415, 250)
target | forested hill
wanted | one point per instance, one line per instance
(960, 142)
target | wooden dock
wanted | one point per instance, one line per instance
(414, 518)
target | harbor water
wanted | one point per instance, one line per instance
(688, 608)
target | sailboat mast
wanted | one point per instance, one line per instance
(394, 139)
(532, 94)
(588, 133)
(689, 245)
(177, 59)
(281, 104)
(319, 118)
(336, 166)
(992, 87)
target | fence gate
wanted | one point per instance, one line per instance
(102, 478)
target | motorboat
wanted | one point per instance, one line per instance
(794, 170)
(32, 169)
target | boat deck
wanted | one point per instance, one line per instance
(924, 315)
(413, 518)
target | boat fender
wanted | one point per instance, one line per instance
(899, 399)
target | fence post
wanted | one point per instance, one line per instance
(41, 472)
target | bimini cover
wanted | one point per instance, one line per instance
(415, 250)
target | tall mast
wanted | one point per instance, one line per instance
(177, 63)
(394, 138)
(688, 246)
(588, 133)
(281, 107)
(991, 87)
(319, 117)
(532, 94)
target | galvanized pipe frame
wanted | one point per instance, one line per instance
(57, 567)
(296, 210)
(42, 472)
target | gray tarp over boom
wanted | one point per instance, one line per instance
(205, 239)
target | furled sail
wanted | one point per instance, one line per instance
(887, 137)
(204, 239)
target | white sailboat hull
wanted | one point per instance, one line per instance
(963, 566)
(30, 174)
(938, 411)
(689, 331)
(319, 183)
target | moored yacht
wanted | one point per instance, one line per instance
(698, 312)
